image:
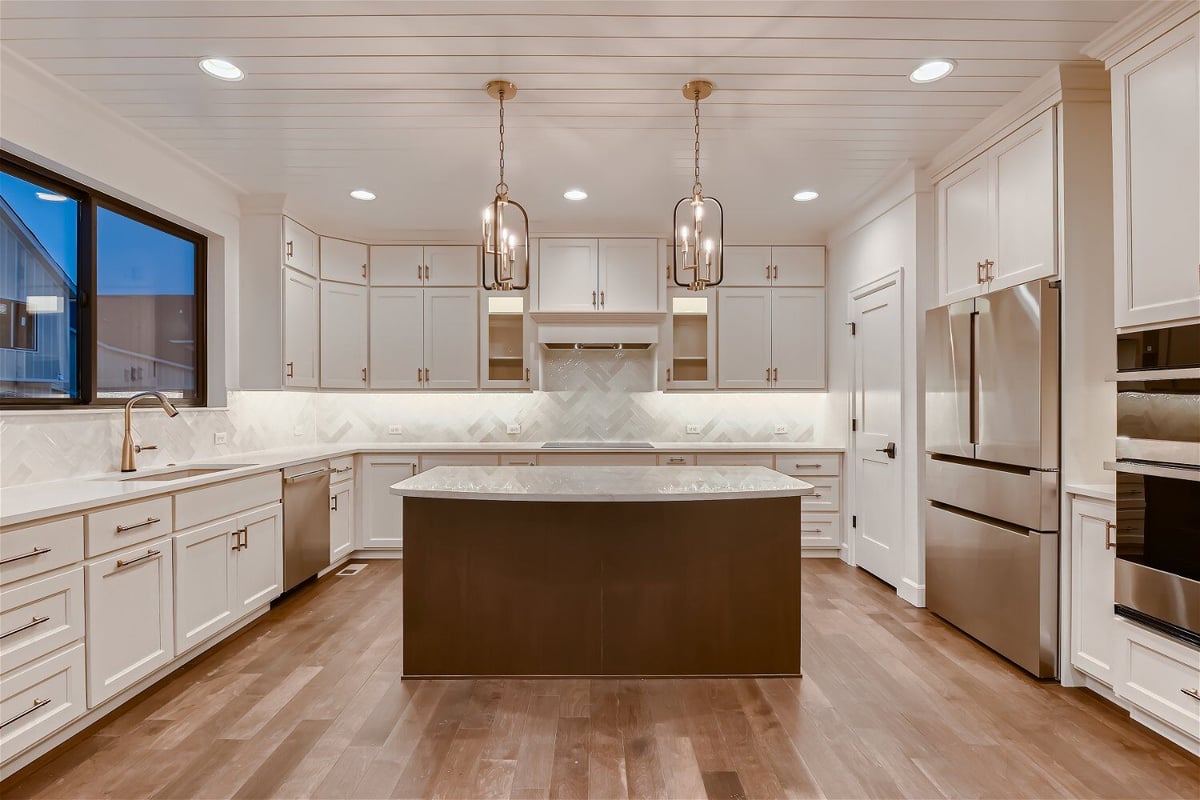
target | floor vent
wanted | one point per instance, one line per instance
(351, 569)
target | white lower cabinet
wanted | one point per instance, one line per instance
(1160, 678)
(37, 700)
(341, 520)
(260, 559)
(382, 514)
(1093, 559)
(40, 615)
(130, 617)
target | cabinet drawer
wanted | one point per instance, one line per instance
(820, 530)
(226, 499)
(41, 698)
(736, 460)
(40, 548)
(828, 494)
(597, 459)
(126, 525)
(677, 460)
(1161, 677)
(459, 460)
(39, 616)
(808, 464)
(342, 469)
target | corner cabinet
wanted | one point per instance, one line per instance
(1094, 632)
(1156, 174)
(381, 512)
(301, 324)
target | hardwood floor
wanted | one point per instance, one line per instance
(307, 702)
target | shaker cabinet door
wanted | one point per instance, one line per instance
(1023, 175)
(299, 247)
(798, 339)
(259, 559)
(1093, 564)
(744, 338)
(205, 582)
(567, 275)
(451, 339)
(397, 265)
(964, 230)
(343, 336)
(628, 276)
(397, 339)
(300, 325)
(452, 265)
(344, 261)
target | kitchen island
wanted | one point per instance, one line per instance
(589, 571)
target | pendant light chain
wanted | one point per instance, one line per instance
(696, 187)
(502, 187)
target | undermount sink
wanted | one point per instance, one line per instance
(184, 472)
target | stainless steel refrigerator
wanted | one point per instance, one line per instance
(991, 432)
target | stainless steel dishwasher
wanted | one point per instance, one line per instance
(305, 521)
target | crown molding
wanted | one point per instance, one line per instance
(1145, 24)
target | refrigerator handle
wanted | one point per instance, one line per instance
(974, 373)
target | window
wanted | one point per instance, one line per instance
(98, 300)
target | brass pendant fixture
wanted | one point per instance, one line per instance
(694, 250)
(505, 247)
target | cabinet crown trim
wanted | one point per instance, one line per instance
(1144, 25)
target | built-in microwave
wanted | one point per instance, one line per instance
(1157, 535)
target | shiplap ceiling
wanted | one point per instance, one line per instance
(389, 95)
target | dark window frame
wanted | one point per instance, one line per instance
(90, 200)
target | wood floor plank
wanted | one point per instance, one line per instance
(606, 747)
(535, 760)
(569, 775)
(274, 771)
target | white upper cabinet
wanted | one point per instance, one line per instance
(343, 336)
(300, 326)
(451, 339)
(744, 338)
(1156, 180)
(964, 230)
(1023, 178)
(343, 261)
(397, 337)
(451, 265)
(801, 265)
(567, 274)
(745, 266)
(397, 265)
(628, 275)
(798, 338)
(299, 247)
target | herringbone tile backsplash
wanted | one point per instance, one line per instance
(585, 396)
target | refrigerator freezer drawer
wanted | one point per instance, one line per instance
(997, 584)
(1024, 497)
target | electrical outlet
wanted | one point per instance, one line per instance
(395, 430)
(781, 429)
(693, 429)
(221, 438)
(514, 427)
(298, 430)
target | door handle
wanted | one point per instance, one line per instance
(890, 450)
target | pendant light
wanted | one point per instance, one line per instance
(694, 249)
(505, 247)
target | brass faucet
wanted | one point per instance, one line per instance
(128, 448)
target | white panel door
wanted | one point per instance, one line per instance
(745, 266)
(802, 265)
(1094, 633)
(451, 339)
(397, 265)
(878, 542)
(343, 336)
(628, 276)
(397, 339)
(567, 274)
(964, 230)
(343, 261)
(205, 582)
(1023, 176)
(798, 338)
(743, 338)
(382, 513)
(299, 247)
(130, 617)
(341, 520)
(259, 559)
(1156, 168)
(452, 265)
(300, 325)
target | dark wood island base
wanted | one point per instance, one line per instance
(693, 588)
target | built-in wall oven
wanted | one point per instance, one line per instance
(1157, 535)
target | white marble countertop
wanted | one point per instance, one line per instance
(1096, 491)
(600, 484)
(33, 501)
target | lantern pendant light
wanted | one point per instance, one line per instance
(505, 248)
(697, 256)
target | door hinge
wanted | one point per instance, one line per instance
(853, 424)
(854, 521)
(853, 328)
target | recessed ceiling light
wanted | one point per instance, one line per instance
(575, 194)
(932, 71)
(221, 69)
(805, 195)
(362, 194)
(53, 197)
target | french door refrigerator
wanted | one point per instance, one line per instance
(991, 431)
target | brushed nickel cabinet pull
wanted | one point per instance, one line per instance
(426, 272)
(987, 269)
(37, 551)
(1192, 693)
(245, 534)
(37, 703)
(768, 272)
(364, 270)
(427, 374)
(593, 299)
(810, 530)
(149, 554)
(527, 374)
(808, 466)
(136, 525)
(340, 470)
(418, 374)
(979, 272)
(676, 460)
(419, 267)
(1109, 527)
(35, 621)
(333, 502)
(775, 375)
(668, 374)
(289, 250)
(768, 374)
(776, 272)
(602, 299)
(364, 370)
(291, 367)
(521, 464)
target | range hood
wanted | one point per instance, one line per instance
(597, 331)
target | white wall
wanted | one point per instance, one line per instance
(893, 230)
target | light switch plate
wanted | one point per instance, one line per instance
(781, 429)
(693, 429)
(514, 427)
(395, 430)
(221, 438)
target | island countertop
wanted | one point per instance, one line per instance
(601, 484)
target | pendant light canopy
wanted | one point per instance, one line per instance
(505, 248)
(698, 222)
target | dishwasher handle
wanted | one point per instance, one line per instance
(303, 476)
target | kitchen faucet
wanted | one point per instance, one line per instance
(128, 448)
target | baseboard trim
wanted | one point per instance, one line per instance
(376, 554)
(821, 552)
(911, 592)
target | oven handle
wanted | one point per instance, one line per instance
(1183, 472)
